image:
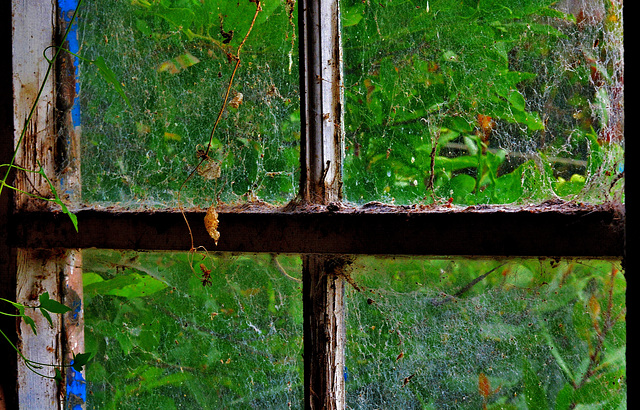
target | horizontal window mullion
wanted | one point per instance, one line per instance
(477, 232)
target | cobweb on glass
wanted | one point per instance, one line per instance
(163, 338)
(476, 334)
(483, 102)
(174, 61)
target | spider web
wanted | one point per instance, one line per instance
(483, 101)
(173, 59)
(467, 334)
(161, 339)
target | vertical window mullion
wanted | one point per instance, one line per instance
(43, 97)
(36, 271)
(321, 100)
(321, 182)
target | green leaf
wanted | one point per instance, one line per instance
(46, 316)
(616, 359)
(450, 56)
(454, 164)
(58, 376)
(71, 215)
(126, 344)
(81, 359)
(582, 321)
(516, 100)
(89, 278)
(31, 323)
(509, 187)
(556, 354)
(17, 305)
(109, 76)
(601, 105)
(534, 394)
(57, 199)
(462, 185)
(352, 15)
(181, 18)
(143, 27)
(52, 305)
(533, 121)
(460, 124)
(601, 390)
(132, 285)
(564, 398)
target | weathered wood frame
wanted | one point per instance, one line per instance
(38, 243)
(320, 184)
(41, 104)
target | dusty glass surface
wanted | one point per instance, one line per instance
(440, 334)
(160, 75)
(162, 339)
(483, 101)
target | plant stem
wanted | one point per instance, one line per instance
(35, 103)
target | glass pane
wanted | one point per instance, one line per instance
(438, 334)
(155, 86)
(173, 330)
(498, 101)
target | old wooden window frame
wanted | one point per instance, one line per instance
(40, 249)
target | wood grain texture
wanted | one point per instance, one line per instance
(36, 271)
(49, 141)
(33, 32)
(39, 271)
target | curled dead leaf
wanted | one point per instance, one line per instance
(236, 101)
(484, 386)
(486, 124)
(211, 223)
(206, 275)
(209, 169)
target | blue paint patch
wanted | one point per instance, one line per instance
(67, 9)
(75, 111)
(76, 308)
(76, 389)
(67, 5)
(76, 384)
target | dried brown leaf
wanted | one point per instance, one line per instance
(236, 101)
(211, 223)
(484, 386)
(209, 169)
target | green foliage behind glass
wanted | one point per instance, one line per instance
(163, 340)
(172, 59)
(544, 334)
(479, 101)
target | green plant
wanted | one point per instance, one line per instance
(176, 343)
(181, 77)
(46, 307)
(478, 101)
(153, 319)
(105, 72)
(464, 333)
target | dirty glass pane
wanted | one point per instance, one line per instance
(173, 330)
(153, 79)
(445, 334)
(497, 101)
